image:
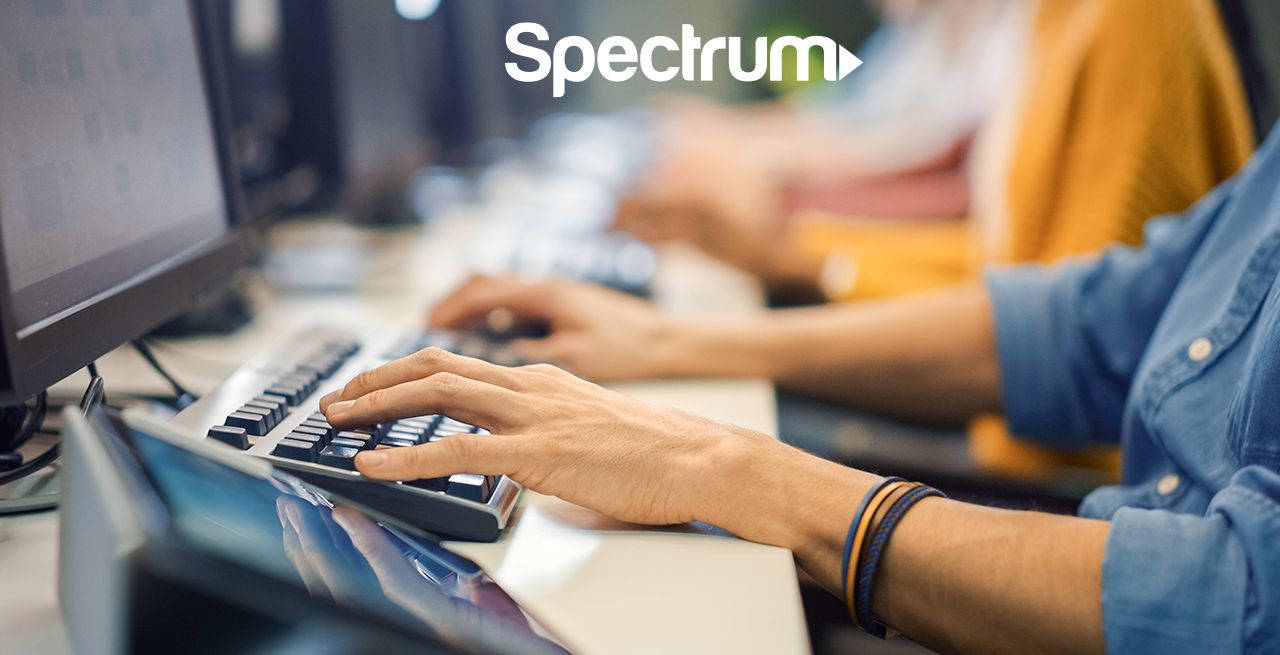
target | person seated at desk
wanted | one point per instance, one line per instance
(1074, 156)
(1082, 155)
(896, 132)
(1172, 350)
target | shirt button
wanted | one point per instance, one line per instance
(1200, 349)
(1168, 484)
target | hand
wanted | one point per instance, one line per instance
(597, 333)
(555, 434)
(726, 207)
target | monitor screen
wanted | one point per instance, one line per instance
(109, 168)
(279, 527)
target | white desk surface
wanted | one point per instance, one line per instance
(603, 586)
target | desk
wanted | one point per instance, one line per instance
(606, 587)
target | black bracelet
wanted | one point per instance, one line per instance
(865, 582)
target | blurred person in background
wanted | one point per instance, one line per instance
(1126, 109)
(1123, 110)
(933, 73)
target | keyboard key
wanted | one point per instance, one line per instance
(367, 441)
(358, 444)
(304, 385)
(376, 431)
(339, 457)
(430, 484)
(278, 410)
(323, 426)
(313, 372)
(415, 424)
(410, 435)
(408, 428)
(469, 486)
(268, 417)
(254, 424)
(317, 442)
(274, 398)
(232, 436)
(291, 395)
(449, 426)
(397, 443)
(295, 449)
(320, 435)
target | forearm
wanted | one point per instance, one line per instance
(956, 577)
(927, 357)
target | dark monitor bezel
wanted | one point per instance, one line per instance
(59, 348)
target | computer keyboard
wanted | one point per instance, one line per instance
(269, 408)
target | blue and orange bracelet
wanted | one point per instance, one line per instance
(867, 541)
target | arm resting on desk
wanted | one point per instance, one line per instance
(929, 357)
(955, 576)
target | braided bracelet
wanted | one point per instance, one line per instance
(856, 528)
(868, 560)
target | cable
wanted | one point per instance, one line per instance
(93, 396)
(184, 397)
(33, 422)
(29, 428)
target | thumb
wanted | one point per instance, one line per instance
(462, 453)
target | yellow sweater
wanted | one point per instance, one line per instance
(1129, 109)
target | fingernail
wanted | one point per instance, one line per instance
(341, 406)
(329, 398)
(371, 459)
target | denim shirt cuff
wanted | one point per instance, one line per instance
(1032, 359)
(1173, 583)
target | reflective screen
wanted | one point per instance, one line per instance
(278, 527)
(107, 162)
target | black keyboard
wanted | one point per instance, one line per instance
(269, 408)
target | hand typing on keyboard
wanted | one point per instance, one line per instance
(595, 332)
(555, 434)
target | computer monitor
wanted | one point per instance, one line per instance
(340, 103)
(115, 206)
(354, 109)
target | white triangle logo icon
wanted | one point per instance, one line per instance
(849, 62)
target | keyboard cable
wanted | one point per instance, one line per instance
(183, 397)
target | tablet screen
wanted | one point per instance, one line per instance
(279, 527)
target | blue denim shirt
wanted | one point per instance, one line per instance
(1173, 350)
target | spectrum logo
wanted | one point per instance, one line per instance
(618, 58)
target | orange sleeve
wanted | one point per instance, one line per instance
(1136, 109)
(885, 258)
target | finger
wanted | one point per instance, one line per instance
(474, 300)
(424, 363)
(462, 453)
(302, 547)
(310, 579)
(387, 562)
(462, 398)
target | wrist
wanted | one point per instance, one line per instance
(771, 493)
(705, 348)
